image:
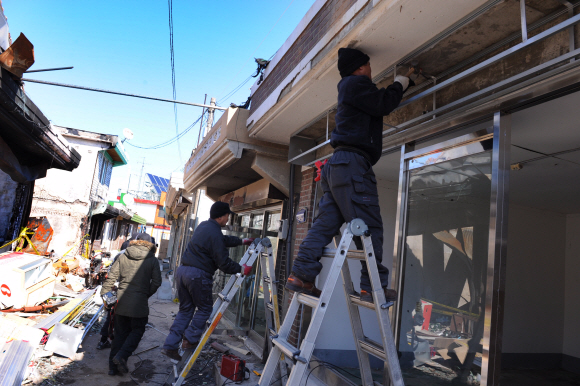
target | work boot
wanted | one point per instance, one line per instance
(121, 364)
(171, 354)
(104, 345)
(390, 295)
(188, 346)
(295, 284)
(113, 372)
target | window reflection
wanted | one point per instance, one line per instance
(445, 257)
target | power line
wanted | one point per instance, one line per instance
(170, 5)
(169, 141)
(259, 45)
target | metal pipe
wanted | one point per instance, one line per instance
(486, 63)
(289, 249)
(523, 19)
(494, 87)
(123, 94)
(50, 69)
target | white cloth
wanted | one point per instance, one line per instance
(403, 80)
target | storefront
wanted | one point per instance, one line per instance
(253, 177)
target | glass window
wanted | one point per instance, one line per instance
(445, 259)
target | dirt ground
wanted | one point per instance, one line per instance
(90, 366)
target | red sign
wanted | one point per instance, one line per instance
(5, 290)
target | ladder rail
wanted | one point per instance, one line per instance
(357, 328)
(382, 311)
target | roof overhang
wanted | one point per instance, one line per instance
(29, 145)
(229, 159)
(105, 211)
(386, 30)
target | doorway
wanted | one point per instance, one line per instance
(448, 192)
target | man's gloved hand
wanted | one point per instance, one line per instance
(246, 270)
(319, 165)
(248, 241)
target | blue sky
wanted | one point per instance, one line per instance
(124, 46)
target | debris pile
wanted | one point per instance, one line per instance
(48, 306)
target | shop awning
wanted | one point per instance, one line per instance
(105, 211)
(139, 220)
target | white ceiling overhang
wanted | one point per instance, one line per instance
(386, 30)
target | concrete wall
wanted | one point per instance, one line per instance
(335, 342)
(64, 197)
(147, 211)
(7, 194)
(535, 289)
(572, 287)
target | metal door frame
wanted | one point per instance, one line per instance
(497, 247)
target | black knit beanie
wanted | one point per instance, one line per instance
(219, 209)
(349, 59)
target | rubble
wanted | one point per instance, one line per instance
(47, 310)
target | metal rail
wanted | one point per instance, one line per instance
(124, 94)
(486, 63)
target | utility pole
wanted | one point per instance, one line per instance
(141, 175)
(201, 122)
(210, 116)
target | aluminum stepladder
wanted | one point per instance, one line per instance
(364, 346)
(271, 300)
(181, 369)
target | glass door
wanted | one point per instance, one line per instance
(448, 193)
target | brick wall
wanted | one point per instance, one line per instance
(329, 14)
(307, 193)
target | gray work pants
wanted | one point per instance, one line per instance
(194, 290)
(350, 191)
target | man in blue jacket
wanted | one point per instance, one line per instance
(206, 252)
(348, 180)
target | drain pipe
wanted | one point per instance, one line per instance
(290, 249)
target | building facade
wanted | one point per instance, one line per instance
(475, 178)
(476, 181)
(75, 204)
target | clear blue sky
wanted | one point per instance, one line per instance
(124, 46)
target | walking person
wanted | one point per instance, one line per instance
(206, 252)
(348, 180)
(139, 276)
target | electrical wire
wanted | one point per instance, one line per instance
(259, 45)
(172, 53)
(169, 141)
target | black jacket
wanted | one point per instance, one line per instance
(208, 249)
(359, 114)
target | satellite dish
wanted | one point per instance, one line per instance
(128, 134)
(128, 200)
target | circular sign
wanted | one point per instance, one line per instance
(5, 290)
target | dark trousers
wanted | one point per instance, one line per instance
(128, 334)
(105, 329)
(350, 191)
(194, 290)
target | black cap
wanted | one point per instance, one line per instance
(144, 237)
(349, 59)
(219, 209)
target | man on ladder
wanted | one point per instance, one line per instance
(348, 180)
(205, 253)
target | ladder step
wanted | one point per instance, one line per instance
(288, 349)
(308, 300)
(272, 332)
(371, 347)
(270, 306)
(351, 254)
(355, 299)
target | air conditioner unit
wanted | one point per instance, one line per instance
(25, 279)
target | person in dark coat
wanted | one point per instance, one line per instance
(139, 276)
(348, 180)
(206, 252)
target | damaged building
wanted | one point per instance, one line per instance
(76, 203)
